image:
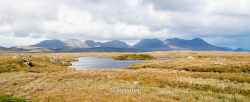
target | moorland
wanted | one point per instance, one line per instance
(203, 76)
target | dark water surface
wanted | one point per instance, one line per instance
(101, 63)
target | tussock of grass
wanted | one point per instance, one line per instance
(12, 65)
(12, 99)
(134, 57)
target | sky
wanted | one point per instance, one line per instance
(220, 22)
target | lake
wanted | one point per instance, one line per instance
(101, 63)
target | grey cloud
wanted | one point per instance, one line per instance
(126, 19)
(178, 5)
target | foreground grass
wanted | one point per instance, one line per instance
(94, 85)
(185, 80)
(12, 99)
(134, 57)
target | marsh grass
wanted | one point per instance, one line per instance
(199, 65)
(39, 64)
(234, 77)
(134, 57)
(163, 80)
(160, 81)
(156, 85)
(12, 99)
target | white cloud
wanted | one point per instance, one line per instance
(230, 7)
(11, 40)
(124, 19)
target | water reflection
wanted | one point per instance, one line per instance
(100, 63)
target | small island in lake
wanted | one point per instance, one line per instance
(134, 57)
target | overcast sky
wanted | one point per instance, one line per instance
(220, 22)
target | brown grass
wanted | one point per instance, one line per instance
(199, 65)
(158, 81)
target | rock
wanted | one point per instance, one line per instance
(14, 57)
(58, 61)
(183, 71)
(190, 57)
(136, 82)
(28, 63)
(54, 60)
(21, 56)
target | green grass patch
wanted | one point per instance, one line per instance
(12, 99)
(134, 57)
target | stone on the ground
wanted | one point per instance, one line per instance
(28, 63)
(190, 57)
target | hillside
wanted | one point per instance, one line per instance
(76, 45)
(113, 43)
(53, 44)
(195, 44)
(151, 45)
(99, 49)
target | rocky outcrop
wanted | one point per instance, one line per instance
(58, 61)
(75, 43)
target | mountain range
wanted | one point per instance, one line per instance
(76, 45)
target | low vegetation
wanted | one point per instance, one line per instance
(199, 65)
(204, 77)
(134, 57)
(38, 64)
(12, 99)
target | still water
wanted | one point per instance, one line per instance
(101, 63)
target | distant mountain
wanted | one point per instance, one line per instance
(75, 43)
(114, 44)
(53, 44)
(92, 43)
(195, 44)
(33, 48)
(151, 45)
(99, 49)
(4, 48)
(227, 49)
(11, 49)
(242, 50)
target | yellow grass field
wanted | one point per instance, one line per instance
(197, 77)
